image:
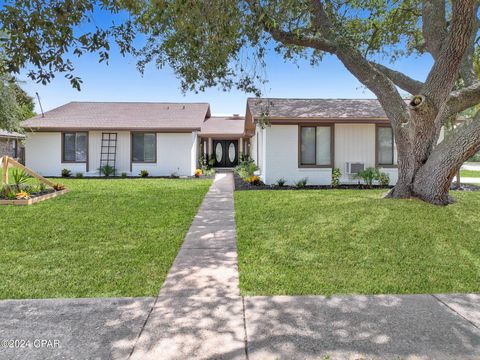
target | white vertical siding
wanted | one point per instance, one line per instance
(43, 154)
(174, 155)
(194, 152)
(281, 158)
(123, 151)
(354, 143)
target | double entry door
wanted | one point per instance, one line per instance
(225, 153)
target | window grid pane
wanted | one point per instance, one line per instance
(323, 145)
(81, 147)
(149, 147)
(69, 147)
(308, 146)
(137, 147)
(385, 146)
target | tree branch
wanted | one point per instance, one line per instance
(289, 38)
(434, 25)
(444, 72)
(463, 99)
(467, 71)
(403, 81)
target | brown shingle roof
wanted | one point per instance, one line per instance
(221, 125)
(9, 134)
(317, 108)
(122, 116)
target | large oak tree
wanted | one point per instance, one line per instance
(223, 43)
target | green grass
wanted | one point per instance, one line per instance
(470, 173)
(350, 241)
(106, 238)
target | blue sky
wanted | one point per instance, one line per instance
(120, 81)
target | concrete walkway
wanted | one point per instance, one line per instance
(199, 314)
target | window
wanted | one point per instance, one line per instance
(74, 147)
(315, 146)
(15, 148)
(144, 147)
(385, 145)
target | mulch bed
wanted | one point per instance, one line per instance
(241, 185)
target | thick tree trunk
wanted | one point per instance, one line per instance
(432, 180)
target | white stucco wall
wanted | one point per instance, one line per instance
(281, 158)
(43, 154)
(175, 152)
(122, 163)
(277, 153)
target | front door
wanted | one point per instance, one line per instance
(225, 152)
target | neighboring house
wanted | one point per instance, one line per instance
(11, 144)
(306, 138)
(162, 138)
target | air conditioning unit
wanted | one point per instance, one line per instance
(354, 167)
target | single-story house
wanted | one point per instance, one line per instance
(287, 138)
(162, 138)
(11, 144)
(307, 138)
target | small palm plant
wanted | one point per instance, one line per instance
(107, 170)
(19, 177)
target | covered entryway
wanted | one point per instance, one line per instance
(225, 153)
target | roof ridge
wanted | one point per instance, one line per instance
(138, 102)
(280, 98)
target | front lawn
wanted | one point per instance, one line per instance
(106, 238)
(470, 173)
(351, 241)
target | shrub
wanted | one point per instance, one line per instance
(368, 175)
(281, 182)
(7, 192)
(383, 179)
(42, 187)
(11, 195)
(254, 180)
(59, 187)
(107, 170)
(246, 169)
(302, 183)
(198, 173)
(79, 175)
(19, 177)
(66, 173)
(336, 174)
(124, 175)
(144, 173)
(209, 172)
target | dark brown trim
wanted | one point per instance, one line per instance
(293, 121)
(62, 135)
(332, 145)
(144, 130)
(393, 165)
(131, 148)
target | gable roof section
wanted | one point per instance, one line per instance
(9, 134)
(228, 126)
(331, 109)
(135, 116)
